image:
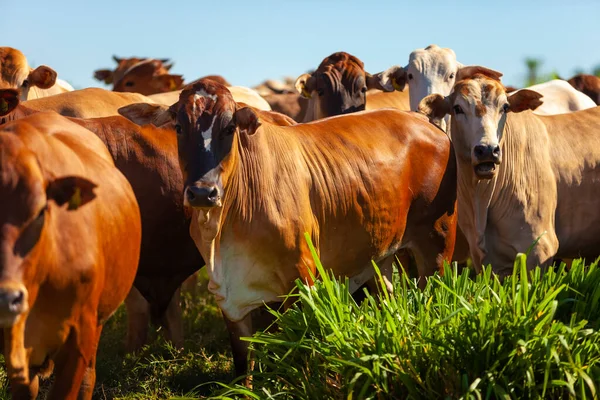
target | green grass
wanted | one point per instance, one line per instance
(532, 336)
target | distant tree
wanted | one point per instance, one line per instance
(533, 66)
(597, 71)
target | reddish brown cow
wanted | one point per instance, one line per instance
(362, 185)
(110, 76)
(147, 156)
(340, 85)
(587, 84)
(70, 244)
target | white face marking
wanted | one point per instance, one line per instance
(207, 135)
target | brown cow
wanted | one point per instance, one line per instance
(587, 84)
(110, 76)
(340, 85)
(15, 73)
(66, 265)
(147, 156)
(363, 185)
(291, 104)
(147, 77)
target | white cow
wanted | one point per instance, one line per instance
(435, 70)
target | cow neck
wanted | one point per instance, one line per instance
(261, 180)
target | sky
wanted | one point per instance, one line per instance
(250, 41)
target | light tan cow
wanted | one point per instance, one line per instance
(435, 70)
(86, 103)
(522, 176)
(15, 73)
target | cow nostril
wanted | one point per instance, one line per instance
(496, 151)
(479, 150)
(190, 195)
(214, 193)
(18, 299)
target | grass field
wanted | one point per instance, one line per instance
(532, 336)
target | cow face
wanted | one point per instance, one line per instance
(15, 73)
(479, 106)
(207, 120)
(28, 200)
(338, 86)
(148, 77)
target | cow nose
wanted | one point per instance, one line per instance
(487, 152)
(12, 301)
(205, 196)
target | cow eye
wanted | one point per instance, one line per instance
(129, 84)
(451, 76)
(364, 89)
(320, 92)
(458, 110)
(505, 108)
(410, 76)
(25, 83)
(178, 129)
(229, 130)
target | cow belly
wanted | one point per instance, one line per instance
(243, 278)
(577, 225)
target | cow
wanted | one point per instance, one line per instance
(362, 185)
(587, 84)
(522, 177)
(87, 103)
(147, 156)
(70, 243)
(559, 98)
(291, 104)
(110, 76)
(15, 73)
(435, 70)
(148, 77)
(340, 85)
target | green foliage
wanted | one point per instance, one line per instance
(533, 335)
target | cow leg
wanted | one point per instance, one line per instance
(89, 378)
(239, 347)
(16, 359)
(190, 285)
(76, 362)
(138, 320)
(172, 320)
(431, 248)
(387, 270)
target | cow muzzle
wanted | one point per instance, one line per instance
(203, 196)
(485, 160)
(13, 302)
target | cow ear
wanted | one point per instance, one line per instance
(305, 84)
(168, 83)
(144, 113)
(524, 99)
(391, 79)
(72, 190)
(168, 66)
(43, 77)
(104, 75)
(247, 120)
(435, 107)
(470, 71)
(117, 59)
(9, 100)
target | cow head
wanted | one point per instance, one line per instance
(587, 84)
(479, 106)
(207, 124)
(29, 200)
(15, 73)
(148, 77)
(338, 86)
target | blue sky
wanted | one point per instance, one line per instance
(249, 41)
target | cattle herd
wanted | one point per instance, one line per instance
(122, 195)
